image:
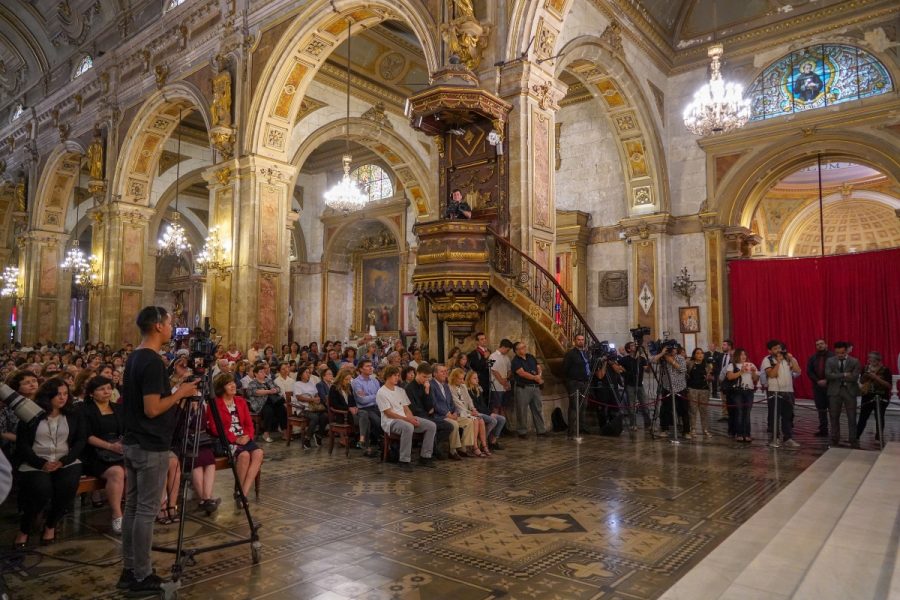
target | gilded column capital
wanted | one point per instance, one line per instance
(740, 241)
(532, 80)
(648, 225)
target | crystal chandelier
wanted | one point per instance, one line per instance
(718, 107)
(174, 241)
(10, 284)
(85, 269)
(346, 195)
(212, 258)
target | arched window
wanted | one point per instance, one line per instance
(372, 180)
(170, 4)
(816, 77)
(84, 64)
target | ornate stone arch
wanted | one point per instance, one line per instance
(54, 191)
(303, 49)
(396, 152)
(754, 173)
(335, 237)
(534, 27)
(143, 144)
(638, 140)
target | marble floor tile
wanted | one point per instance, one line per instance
(612, 518)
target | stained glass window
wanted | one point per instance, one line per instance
(816, 77)
(372, 180)
(86, 63)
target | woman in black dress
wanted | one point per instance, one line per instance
(103, 456)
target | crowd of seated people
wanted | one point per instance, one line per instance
(81, 432)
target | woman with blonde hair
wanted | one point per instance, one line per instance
(466, 408)
(494, 424)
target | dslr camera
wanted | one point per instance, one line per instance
(638, 333)
(25, 410)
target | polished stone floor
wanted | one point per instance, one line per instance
(611, 518)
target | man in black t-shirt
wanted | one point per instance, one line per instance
(150, 420)
(527, 375)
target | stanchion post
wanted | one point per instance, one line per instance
(774, 443)
(578, 438)
(675, 439)
(879, 426)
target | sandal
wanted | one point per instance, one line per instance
(174, 515)
(163, 517)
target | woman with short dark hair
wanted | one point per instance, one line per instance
(104, 454)
(47, 450)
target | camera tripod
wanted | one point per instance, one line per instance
(658, 375)
(192, 421)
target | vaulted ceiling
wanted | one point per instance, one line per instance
(688, 22)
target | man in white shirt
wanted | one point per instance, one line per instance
(500, 384)
(780, 369)
(284, 380)
(396, 418)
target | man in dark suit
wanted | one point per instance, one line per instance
(721, 362)
(421, 406)
(478, 362)
(842, 374)
(815, 370)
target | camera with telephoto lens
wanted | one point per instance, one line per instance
(638, 333)
(667, 345)
(604, 350)
(26, 410)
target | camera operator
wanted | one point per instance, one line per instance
(673, 371)
(577, 371)
(458, 208)
(608, 378)
(150, 421)
(635, 366)
(781, 368)
(875, 387)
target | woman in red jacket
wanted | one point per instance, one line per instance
(238, 426)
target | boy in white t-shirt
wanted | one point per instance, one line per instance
(397, 418)
(780, 369)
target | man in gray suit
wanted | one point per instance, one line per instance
(842, 373)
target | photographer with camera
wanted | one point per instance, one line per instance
(457, 208)
(607, 379)
(150, 422)
(634, 366)
(577, 371)
(781, 368)
(673, 370)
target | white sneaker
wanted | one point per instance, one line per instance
(267, 438)
(791, 444)
(117, 525)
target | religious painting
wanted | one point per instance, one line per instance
(689, 319)
(268, 225)
(49, 271)
(132, 246)
(266, 309)
(379, 289)
(816, 77)
(410, 314)
(541, 156)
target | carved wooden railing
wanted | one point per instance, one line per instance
(533, 281)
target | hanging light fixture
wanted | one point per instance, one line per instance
(346, 195)
(213, 257)
(10, 280)
(174, 240)
(718, 106)
(85, 269)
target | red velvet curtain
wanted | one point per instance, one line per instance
(852, 297)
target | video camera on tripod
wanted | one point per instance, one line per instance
(667, 345)
(201, 344)
(603, 351)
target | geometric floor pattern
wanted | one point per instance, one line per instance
(612, 518)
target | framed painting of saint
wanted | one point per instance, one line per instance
(689, 319)
(378, 293)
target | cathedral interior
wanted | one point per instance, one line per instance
(190, 154)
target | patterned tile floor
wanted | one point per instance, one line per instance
(611, 518)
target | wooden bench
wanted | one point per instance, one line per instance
(89, 484)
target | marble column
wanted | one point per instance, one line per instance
(532, 92)
(48, 290)
(259, 290)
(127, 252)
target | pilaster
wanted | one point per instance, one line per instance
(47, 287)
(715, 277)
(646, 237)
(533, 93)
(572, 235)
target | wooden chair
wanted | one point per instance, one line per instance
(292, 420)
(340, 423)
(388, 437)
